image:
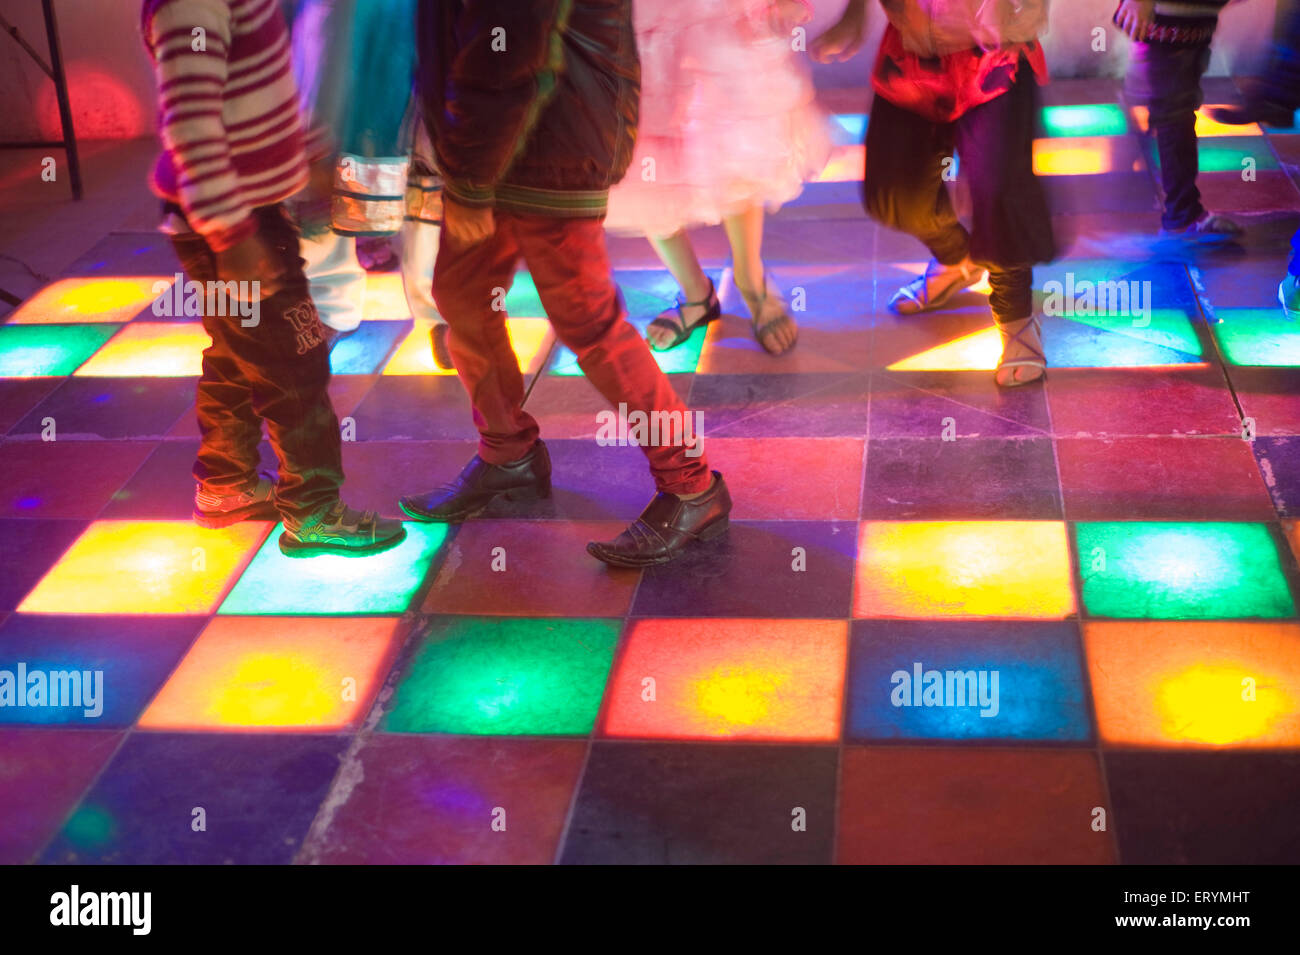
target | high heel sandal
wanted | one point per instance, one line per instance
(1037, 359)
(680, 329)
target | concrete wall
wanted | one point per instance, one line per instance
(112, 85)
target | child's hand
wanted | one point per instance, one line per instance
(252, 260)
(1135, 17)
(842, 41)
(785, 15)
(466, 225)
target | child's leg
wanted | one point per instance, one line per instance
(1167, 80)
(775, 329)
(285, 359)
(568, 260)
(699, 299)
(337, 280)
(229, 430)
(678, 255)
(903, 186)
(1011, 225)
(468, 283)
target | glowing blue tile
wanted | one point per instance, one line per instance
(332, 584)
(848, 128)
(122, 661)
(1032, 678)
(365, 351)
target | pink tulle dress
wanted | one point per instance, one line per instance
(728, 118)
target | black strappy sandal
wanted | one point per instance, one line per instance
(681, 331)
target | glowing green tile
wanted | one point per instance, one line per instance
(506, 676)
(1091, 119)
(1228, 154)
(45, 351)
(523, 301)
(332, 584)
(90, 827)
(1181, 571)
(1258, 336)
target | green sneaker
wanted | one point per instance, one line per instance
(341, 530)
(253, 503)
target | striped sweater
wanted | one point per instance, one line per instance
(228, 112)
(1188, 23)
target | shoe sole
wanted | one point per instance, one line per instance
(936, 305)
(712, 532)
(298, 549)
(262, 512)
(521, 494)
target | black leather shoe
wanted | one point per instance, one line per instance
(667, 527)
(479, 484)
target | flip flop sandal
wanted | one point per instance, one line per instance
(682, 331)
(1036, 360)
(915, 296)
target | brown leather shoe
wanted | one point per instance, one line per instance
(667, 527)
(479, 483)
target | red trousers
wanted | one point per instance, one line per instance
(570, 267)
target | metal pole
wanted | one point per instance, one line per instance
(61, 91)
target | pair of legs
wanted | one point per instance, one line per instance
(904, 187)
(570, 267)
(275, 371)
(1166, 79)
(775, 329)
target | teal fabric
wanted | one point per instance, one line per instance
(355, 64)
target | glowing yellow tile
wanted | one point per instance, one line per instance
(737, 679)
(146, 567)
(978, 351)
(1074, 156)
(926, 570)
(277, 673)
(414, 356)
(1205, 126)
(1195, 683)
(151, 350)
(384, 297)
(845, 165)
(76, 301)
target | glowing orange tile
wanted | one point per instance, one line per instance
(845, 165)
(734, 679)
(277, 673)
(978, 351)
(1195, 683)
(414, 356)
(1205, 126)
(150, 350)
(927, 570)
(1076, 156)
(76, 301)
(146, 567)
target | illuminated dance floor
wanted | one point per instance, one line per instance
(950, 623)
